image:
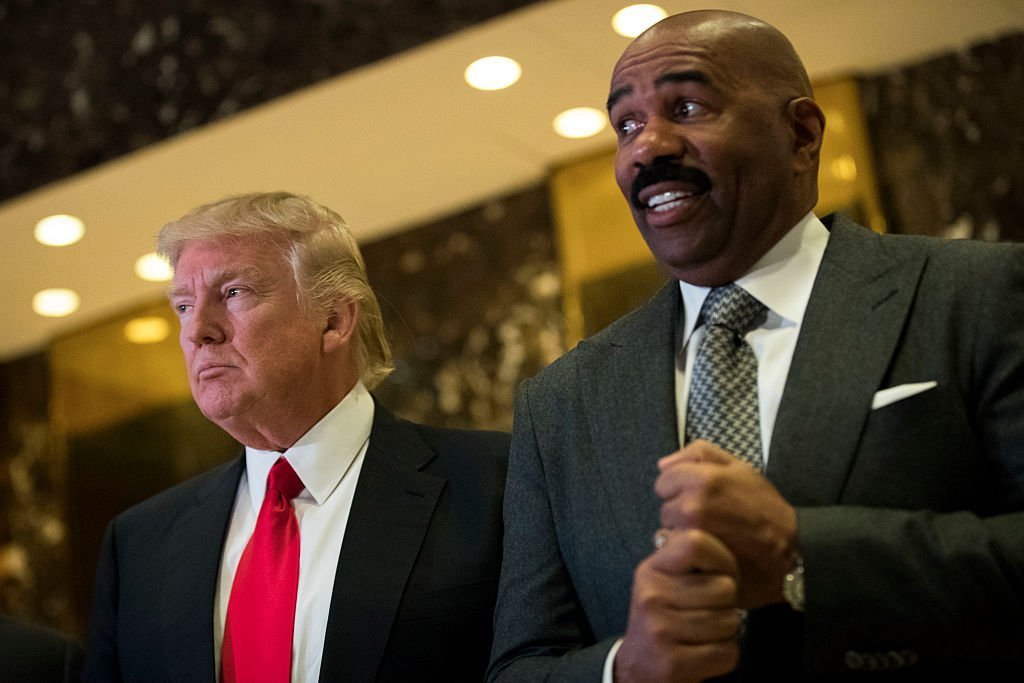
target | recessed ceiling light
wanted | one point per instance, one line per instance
(579, 122)
(493, 73)
(633, 20)
(55, 303)
(153, 268)
(59, 230)
(147, 330)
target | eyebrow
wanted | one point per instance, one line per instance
(247, 273)
(688, 76)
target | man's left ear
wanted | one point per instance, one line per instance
(808, 126)
(340, 326)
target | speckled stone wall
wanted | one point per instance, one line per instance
(34, 543)
(948, 142)
(473, 306)
(85, 81)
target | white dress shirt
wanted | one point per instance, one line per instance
(781, 280)
(327, 459)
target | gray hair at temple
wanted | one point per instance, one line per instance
(316, 242)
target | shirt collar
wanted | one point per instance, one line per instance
(782, 279)
(323, 455)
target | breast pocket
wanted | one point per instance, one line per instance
(919, 453)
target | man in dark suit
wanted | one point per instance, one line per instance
(32, 654)
(382, 567)
(874, 529)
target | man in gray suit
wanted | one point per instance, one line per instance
(888, 477)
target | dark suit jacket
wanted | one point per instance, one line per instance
(911, 516)
(416, 580)
(31, 654)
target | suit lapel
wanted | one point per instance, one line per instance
(629, 392)
(193, 552)
(857, 310)
(391, 510)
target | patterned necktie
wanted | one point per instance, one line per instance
(261, 611)
(723, 405)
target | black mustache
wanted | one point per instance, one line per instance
(662, 172)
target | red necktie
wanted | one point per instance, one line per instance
(261, 611)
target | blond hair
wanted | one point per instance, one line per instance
(318, 245)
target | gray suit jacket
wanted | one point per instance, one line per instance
(911, 516)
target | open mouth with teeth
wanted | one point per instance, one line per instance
(666, 201)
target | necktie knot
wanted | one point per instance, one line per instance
(731, 307)
(283, 480)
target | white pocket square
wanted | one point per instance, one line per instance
(898, 393)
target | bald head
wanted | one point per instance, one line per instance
(718, 141)
(754, 48)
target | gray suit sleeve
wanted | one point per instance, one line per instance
(540, 629)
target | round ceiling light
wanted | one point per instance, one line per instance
(59, 230)
(55, 303)
(147, 330)
(580, 122)
(153, 268)
(493, 73)
(633, 20)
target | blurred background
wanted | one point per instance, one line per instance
(494, 241)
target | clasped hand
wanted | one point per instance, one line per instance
(727, 539)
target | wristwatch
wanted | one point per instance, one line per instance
(793, 585)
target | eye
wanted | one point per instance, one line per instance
(232, 292)
(628, 127)
(688, 109)
(182, 309)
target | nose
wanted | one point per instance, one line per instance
(659, 139)
(204, 326)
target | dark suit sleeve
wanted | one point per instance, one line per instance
(38, 655)
(940, 588)
(541, 631)
(101, 661)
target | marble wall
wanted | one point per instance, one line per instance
(473, 306)
(34, 540)
(85, 81)
(948, 142)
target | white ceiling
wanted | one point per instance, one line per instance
(404, 140)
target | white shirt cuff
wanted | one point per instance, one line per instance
(609, 663)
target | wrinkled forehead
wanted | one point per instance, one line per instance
(652, 62)
(728, 56)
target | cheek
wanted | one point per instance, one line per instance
(622, 176)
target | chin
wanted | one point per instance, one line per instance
(215, 411)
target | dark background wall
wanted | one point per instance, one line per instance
(85, 81)
(948, 140)
(473, 306)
